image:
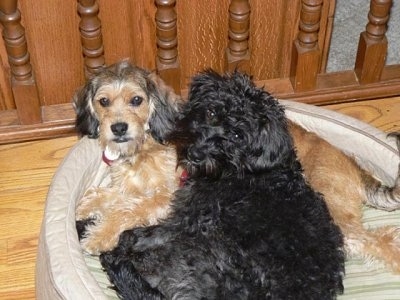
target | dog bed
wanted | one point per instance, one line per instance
(63, 272)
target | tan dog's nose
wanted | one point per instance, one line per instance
(119, 129)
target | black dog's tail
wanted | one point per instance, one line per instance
(126, 280)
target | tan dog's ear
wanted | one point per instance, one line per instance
(164, 104)
(86, 122)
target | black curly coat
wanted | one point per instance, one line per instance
(246, 225)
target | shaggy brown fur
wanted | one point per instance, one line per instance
(346, 188)
(128, 109)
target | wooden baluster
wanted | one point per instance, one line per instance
(23, 84)
(372, 46)
(91, 36)
(237, 54)
(167, 41)
(306, 54)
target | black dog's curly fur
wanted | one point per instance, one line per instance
(246, 225)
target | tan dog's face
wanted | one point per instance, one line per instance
(123, 111)
(123, 105)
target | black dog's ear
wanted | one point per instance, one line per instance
(164, 107)
(86, 122)
(273, 143)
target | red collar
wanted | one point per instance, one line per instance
(106, 160)
(183, 178)
(109, 156)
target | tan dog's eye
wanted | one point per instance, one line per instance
(104, 102)
(136, 101)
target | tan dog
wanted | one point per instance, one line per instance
(346, 188)
(129, 110)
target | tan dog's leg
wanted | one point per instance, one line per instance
(380, 244)
(93, 203)
(346, 188)
(122, 215)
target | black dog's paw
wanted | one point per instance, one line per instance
(108, 259)
(81, 226)
(126, 281)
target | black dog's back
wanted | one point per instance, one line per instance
(282, 247)
(246, 225)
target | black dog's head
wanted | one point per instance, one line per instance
(231, 127)
(121, 103)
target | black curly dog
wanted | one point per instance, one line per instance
(245, 225)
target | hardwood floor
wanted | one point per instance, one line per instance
(26, 170)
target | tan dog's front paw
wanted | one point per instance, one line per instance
(96, 242)
(88, 206)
